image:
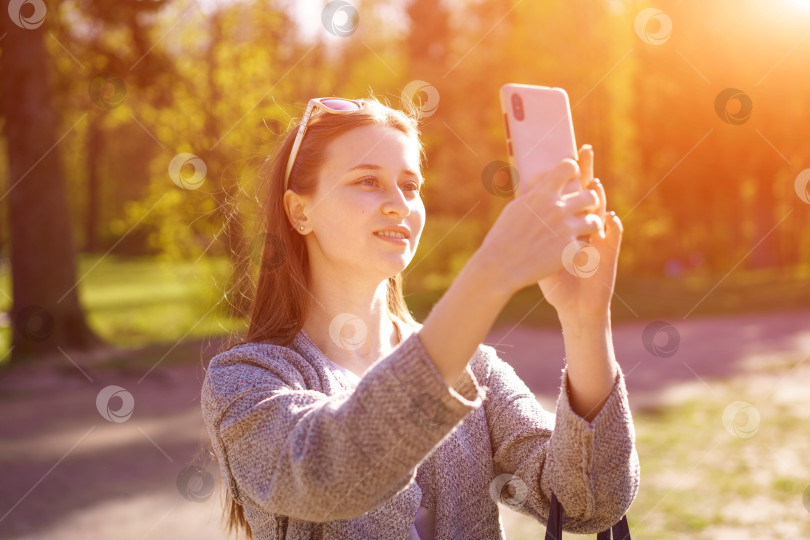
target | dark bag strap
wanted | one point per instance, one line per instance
(621, 530)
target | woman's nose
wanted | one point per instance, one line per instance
(395, 201)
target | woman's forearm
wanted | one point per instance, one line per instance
(592, 366)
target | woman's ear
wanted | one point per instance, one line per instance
(295, 208)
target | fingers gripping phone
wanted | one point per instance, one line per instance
(539, 133)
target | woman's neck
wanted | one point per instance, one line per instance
(353, 343)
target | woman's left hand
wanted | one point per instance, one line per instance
(585, 284)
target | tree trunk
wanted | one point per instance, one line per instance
(92, 209)
(46, 312)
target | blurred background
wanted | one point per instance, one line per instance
(132, 132)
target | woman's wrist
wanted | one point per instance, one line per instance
(493, 275)
(584, 321)
(591, 364)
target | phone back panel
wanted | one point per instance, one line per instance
(539, 131)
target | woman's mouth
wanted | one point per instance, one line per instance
(394, 238)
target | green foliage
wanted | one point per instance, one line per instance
(703, 202)
(680, 206)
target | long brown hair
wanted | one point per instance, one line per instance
(278, 307)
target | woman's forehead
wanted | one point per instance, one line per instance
(376, 145)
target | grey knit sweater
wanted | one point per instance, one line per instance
(310, 454)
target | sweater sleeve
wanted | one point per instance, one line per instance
(304, 454)
(592, 467)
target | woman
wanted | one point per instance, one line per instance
(340, 416)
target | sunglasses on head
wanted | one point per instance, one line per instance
(334, 105)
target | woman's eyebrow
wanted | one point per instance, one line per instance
(377, 167)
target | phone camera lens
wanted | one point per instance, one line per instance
(517, 107)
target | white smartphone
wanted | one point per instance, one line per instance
(539, 132)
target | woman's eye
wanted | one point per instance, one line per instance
(414, 185)
(367, 178)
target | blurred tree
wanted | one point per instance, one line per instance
(230, 66)
(93, 29)
(46, 313)
(429, 32)
(239, 289)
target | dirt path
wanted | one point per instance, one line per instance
(68, 473)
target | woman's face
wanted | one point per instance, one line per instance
(370, 182)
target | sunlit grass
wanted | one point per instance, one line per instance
(131, 302)
(698, 480)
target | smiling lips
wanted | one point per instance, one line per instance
(394, 232)
(393, 237)
(391, 234)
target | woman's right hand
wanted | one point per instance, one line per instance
(526, 242)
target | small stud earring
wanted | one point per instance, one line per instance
(301, 227)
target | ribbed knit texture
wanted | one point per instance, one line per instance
(310, 454)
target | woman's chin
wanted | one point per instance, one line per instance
(394, 266)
